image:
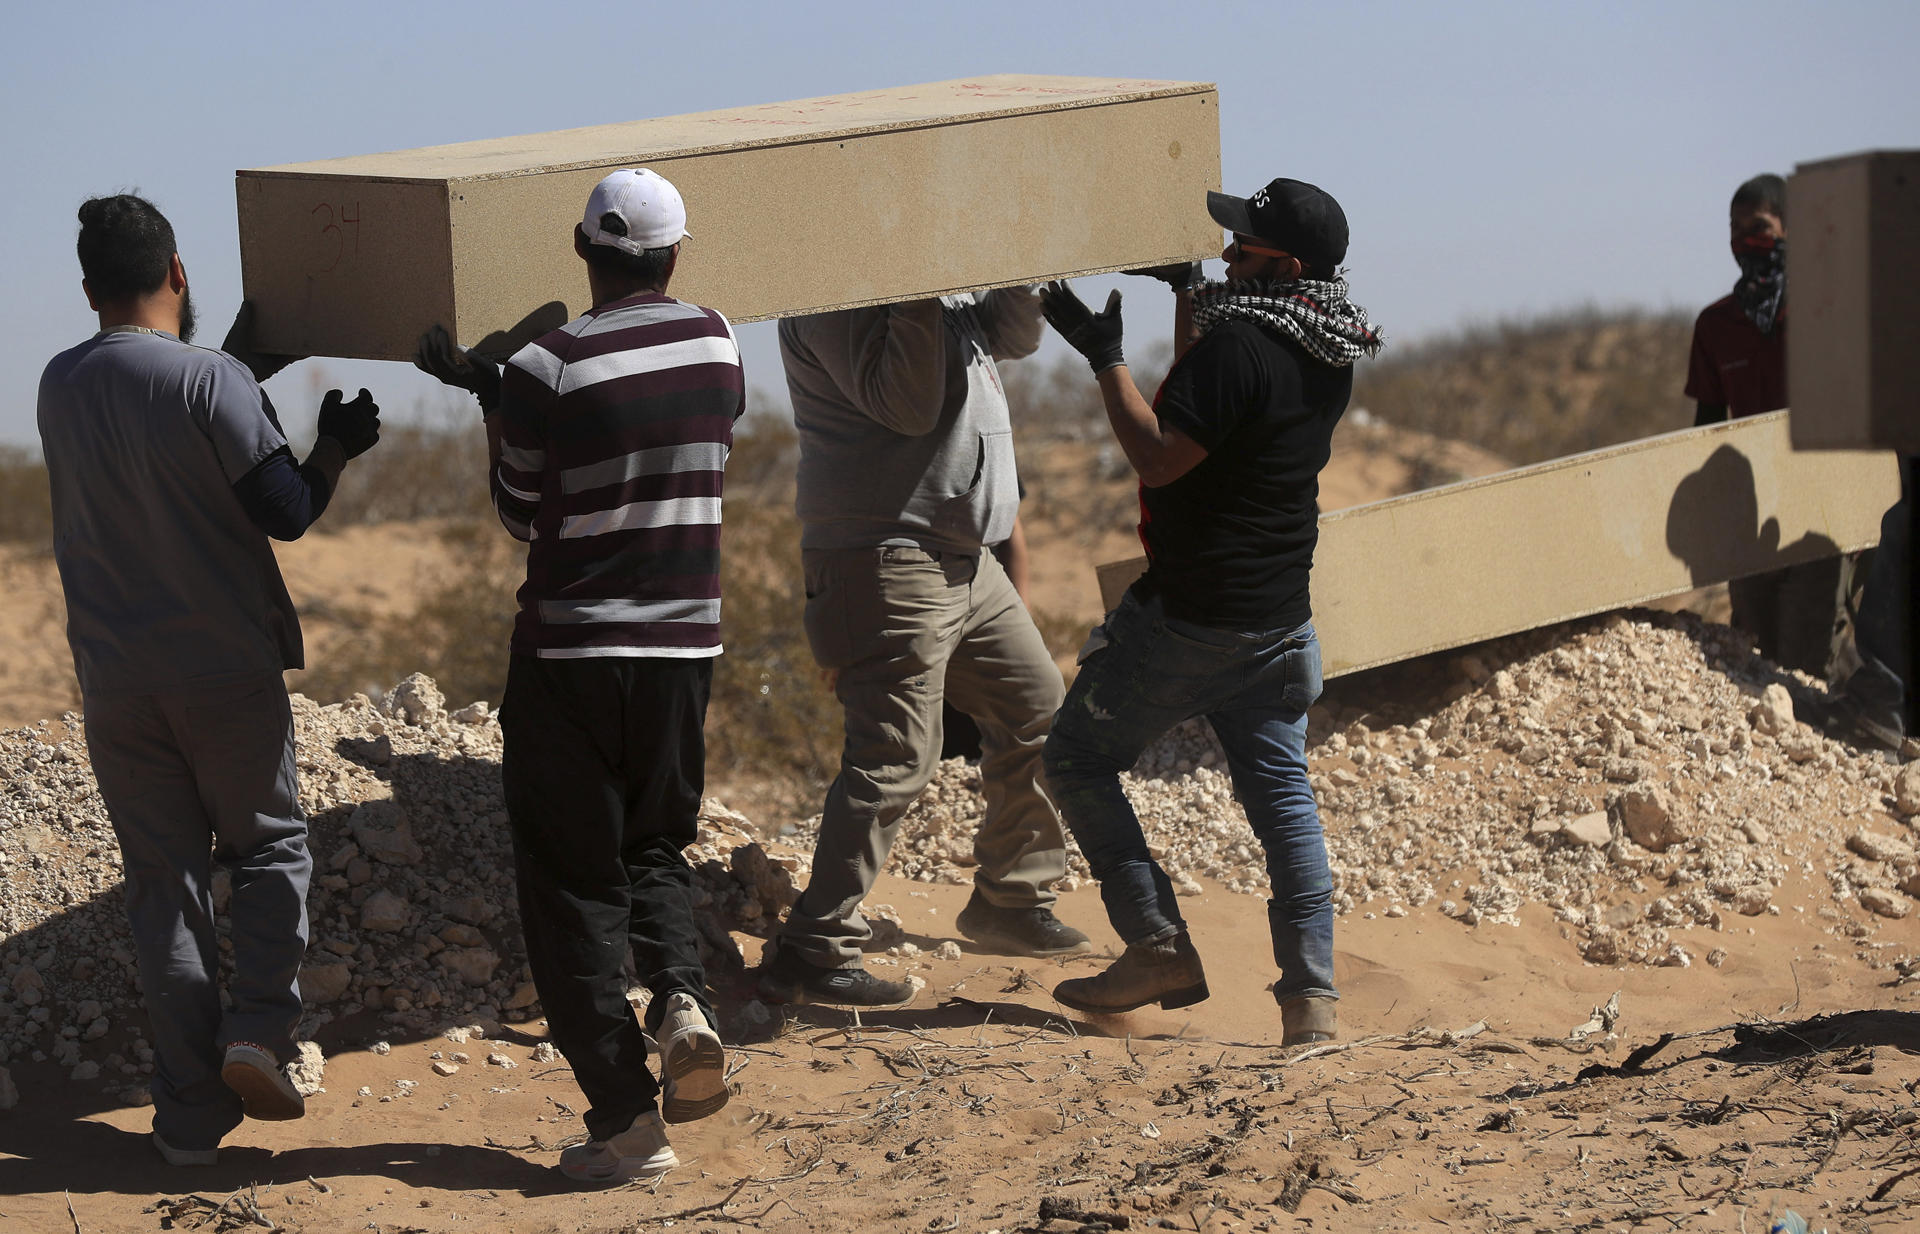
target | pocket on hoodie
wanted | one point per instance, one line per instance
(993, 469)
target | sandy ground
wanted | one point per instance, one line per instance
(1457, 1098)
(1454, 1101)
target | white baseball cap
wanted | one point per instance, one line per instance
(650, 211)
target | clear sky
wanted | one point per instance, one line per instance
(1495, 159)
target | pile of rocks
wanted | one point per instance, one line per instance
(1639, 776)
(412, 909)
(1643, 778)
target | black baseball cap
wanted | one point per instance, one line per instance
(1301, 218)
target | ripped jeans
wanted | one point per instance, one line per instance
(1142, 674)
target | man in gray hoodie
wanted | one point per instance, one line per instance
(906, 474)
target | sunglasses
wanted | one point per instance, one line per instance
(1242, 247)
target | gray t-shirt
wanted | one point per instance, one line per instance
(168, 582)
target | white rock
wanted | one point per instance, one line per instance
(1773, 714)
(385, 912)
(948, 950)
(382, 831)
(309, 1068)
(417, 700)
(1647, 814)
(1885, 902)
(1591, 830)
(324, 983)
(472, 965)
(1906, 789)
(1879, 848)
(443, 1067)
(545, 1053)
(381, 1047)
(501, 1060)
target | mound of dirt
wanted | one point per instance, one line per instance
(1644, 777)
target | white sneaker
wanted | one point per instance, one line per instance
(640, 1152)
(693, 1063)
(186, 1156)
(263, 1086)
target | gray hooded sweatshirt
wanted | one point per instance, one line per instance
(904, 433)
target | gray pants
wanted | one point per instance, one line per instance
(903, 628)
(191, 777)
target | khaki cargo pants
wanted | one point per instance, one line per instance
(902, 628)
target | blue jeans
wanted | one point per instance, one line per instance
(1142, 674)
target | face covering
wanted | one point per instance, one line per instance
(1762, 289)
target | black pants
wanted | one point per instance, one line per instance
(1792, 613)
(603, 769)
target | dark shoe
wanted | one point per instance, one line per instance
(1307, 1020)
(787, 978)
(1019, 931)
(262, 1083)
(1843, 718)
(1167, 973)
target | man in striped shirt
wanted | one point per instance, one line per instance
(608, 438)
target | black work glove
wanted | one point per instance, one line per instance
(355, 425)
(239, 345)
(1180, 275)
(1094, 335)
(438, 356)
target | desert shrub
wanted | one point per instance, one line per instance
(26, 507)
(432, 469)
(1540, 388)
(457, 634)
(1061, 402)
(772, 718)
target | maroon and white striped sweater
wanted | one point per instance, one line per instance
(614, 436)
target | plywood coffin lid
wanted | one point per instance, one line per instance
(768, 124)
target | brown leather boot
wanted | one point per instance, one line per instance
(1307, 1020)
(1167, 973)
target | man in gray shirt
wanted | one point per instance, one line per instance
(906, 472)
(168, 472)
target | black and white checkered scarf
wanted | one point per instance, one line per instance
(1317, 312)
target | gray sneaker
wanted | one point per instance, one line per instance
(640, 1152)
(693, 1063)
(186, 1156)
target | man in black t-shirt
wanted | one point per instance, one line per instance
(1220, 625)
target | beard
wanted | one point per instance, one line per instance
(189, 320)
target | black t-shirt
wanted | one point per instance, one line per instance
(1230, 543)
